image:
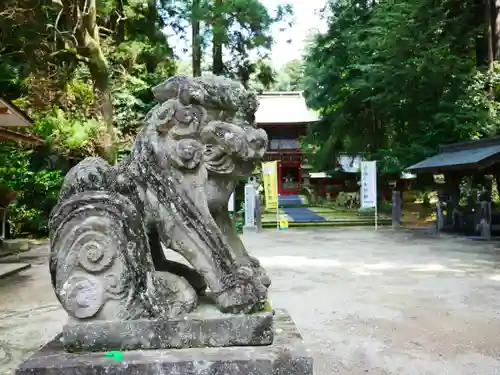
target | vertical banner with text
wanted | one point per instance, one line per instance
(270, 179)
(249, 206)
(369, 187)
(230, 203)
(368, 184)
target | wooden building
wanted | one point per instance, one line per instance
(479, 162)
(11, 117)
(285, 117)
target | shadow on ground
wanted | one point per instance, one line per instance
(384, 302)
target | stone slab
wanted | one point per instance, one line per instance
(8, 269)
(286, 356)
(250, 229)
(16, 245)
(205, 327)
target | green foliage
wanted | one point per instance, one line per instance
(242, 29)
(45, 69)
(395, 79)
(70, 133)
(290, 77)
(88, 91)
(38, 191)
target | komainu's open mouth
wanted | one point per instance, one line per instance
(218, 161)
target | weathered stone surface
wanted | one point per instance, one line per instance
(206, 327)
(15, 245)
(9, 269)
(106, 232)
(286, 356)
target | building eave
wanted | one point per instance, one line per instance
(12, 116)
(10, 135)
(280, 108)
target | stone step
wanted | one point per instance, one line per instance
(9, 269)
(338, 223)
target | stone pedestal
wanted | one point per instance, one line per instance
(205, 327)
(250, 229)
(287, 355)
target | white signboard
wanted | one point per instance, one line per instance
(249, 205)
(284, 144)
(230, 204)
(368, 184)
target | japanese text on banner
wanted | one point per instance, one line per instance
(368, 184)
(270, 178)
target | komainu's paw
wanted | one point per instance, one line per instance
(260, 272)
(244, 293)
(176, 294)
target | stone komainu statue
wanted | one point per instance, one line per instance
(108, 228)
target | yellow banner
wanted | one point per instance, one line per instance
(270, 179)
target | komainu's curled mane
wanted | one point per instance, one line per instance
(107, 231)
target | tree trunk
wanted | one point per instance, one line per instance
(102, 92)
(152, 19)
(495, 18)
(482, 39)
(87, 35)
(489, 22)
(218, 30)
(196, 38)
(116, 22)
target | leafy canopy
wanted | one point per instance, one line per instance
(394, 79)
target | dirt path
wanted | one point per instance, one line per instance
(365, 302)
(385, 303)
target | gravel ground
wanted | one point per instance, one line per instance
(366, 302)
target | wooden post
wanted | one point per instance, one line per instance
(485, 220)
(440, 205)
(452, 186)
(396, 209)
(485, 207)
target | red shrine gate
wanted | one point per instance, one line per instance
(285, 117)
(289, 170)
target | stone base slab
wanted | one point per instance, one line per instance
(287, 355)
(250, 229)
(205, 327)
(9, 269)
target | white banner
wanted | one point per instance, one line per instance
(230, 204)
(368, 184)
(249, 205)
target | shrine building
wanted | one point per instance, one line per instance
(285, 117)
(11, 117)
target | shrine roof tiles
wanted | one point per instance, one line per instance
(472, 154)
(284, 108)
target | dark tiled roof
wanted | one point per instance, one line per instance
(464, 154)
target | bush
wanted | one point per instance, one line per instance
(38, 192)
(346, 200)
(364, 211)
(383, 207)
(309, 194)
